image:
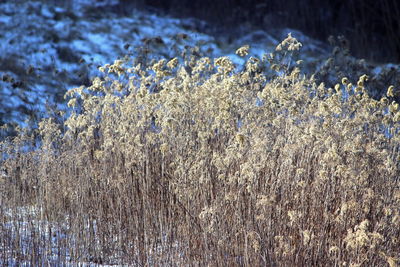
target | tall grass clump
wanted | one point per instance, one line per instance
(196, 162)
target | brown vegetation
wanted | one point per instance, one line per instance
(174, 163)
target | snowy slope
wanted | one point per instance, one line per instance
(47, 49)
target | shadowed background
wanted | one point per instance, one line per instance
(372, 27)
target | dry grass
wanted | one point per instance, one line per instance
(173, 163)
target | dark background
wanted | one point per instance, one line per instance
(371, 26)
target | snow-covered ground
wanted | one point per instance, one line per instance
(46, 49)
(28, 240)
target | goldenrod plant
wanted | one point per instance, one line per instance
(195, 161)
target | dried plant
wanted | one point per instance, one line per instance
(194, 162)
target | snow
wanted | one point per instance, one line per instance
(5, 19)
(53, 39)
(49, 38)
(23, 224)
(46, 12)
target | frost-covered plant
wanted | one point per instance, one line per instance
(194, 161)
(341, 64)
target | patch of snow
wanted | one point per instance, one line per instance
(46, 12)
(378, 69)
(5, 19)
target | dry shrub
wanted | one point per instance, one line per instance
(197, 162)
(342, 64)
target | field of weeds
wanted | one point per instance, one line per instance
(195, 161)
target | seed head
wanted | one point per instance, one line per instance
(390, 91)
(243, 51)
